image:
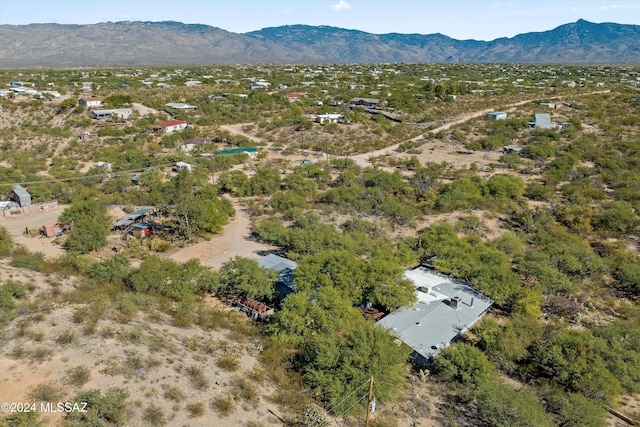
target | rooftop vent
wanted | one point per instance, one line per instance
(455, 301)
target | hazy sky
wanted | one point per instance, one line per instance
(460, 19)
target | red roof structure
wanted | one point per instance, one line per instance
(167, 124)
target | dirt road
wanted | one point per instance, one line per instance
(17, 224)
(364, 160)
(234, 240)
(236, 129)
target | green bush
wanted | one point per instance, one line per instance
(464, 364)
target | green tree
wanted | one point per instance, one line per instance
(171, 279)
(23, 419)
(576, 360)
(341, 270)
(576, 410)
(507, 186)
(6, 242)
(620, 218)
(248, 277)
(91, 226)
(464, 364)
(386, 285)
(338, 362)
(499, 405)
(108, 409)
(628, 279)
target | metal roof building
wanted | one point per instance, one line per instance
(541, 121)
(135, 217)
(20, 195)
(497, 115)
(445, 308)
(285, 267)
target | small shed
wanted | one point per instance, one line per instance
(541, 121)
(55, 229)
(252, 152)
(498, 115)
(20, 196)
(142, 230)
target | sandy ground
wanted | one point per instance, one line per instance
(364, 160)
(145, 367)
(144, 110)
(236, 129)
(234, 240)
(16, 225)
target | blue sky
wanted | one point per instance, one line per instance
(460, 19)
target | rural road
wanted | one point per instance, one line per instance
(364, 160)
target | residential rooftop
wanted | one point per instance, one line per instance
(445, 308)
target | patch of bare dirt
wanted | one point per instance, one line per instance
(234, 240)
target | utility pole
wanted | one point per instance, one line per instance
(213, 181)
(366, 424)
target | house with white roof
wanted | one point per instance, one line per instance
(169, 127)
(541, 121)
(91, 101)
(123, 113)
(329, 118)
(181, 106)
(445, 309)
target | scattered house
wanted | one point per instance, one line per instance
(104, 166)
(498, 115)
(91, 101)
(193, 83)
(183, 165)
(292, 96)
(329, 118)
(142, 230)
(445, 308)
(181, 106)
(256, 310)
(541, 121)
(260, 84)
(188, 145)
(282, 86)
(20, 196)
(137, 217)
(307, 84)
(123, 113)
(85, 136)
(55, 229)
(169, 127)
(285, 267)
(252, 152)
(547, 104)
(365, 102)
(512, 149)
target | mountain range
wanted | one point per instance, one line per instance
(175, 43)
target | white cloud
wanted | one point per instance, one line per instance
(613, 6)
(340, 6)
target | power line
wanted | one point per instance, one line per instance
(351, 394)
(364, 396)
(78, 178)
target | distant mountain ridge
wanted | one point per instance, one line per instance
(174, 43)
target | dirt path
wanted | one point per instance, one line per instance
(234, 240)
(16, 225)
(236, 129)
(144, 110)
(364, 160)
